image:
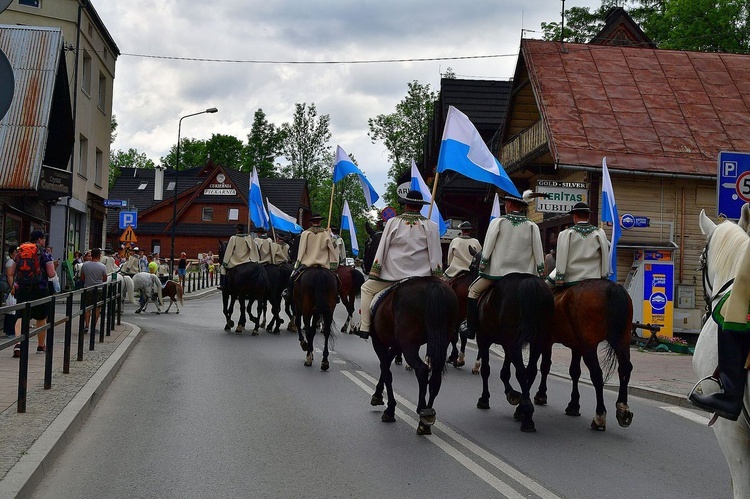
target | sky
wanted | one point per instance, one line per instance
(186, 38)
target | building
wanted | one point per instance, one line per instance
(76, 219)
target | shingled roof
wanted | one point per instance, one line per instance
(644, 109)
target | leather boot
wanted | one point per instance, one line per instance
(469, 327)
(222, 281)
(363, 334)
(733, 350)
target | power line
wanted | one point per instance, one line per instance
(365, 61)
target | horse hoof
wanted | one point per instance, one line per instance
(375, 400)
(528, 427)
(343, 329)
(477, 367)
(483, 404)
(408, 367)
(427, 416)
(388, 418)
(398, 362)
(227, 327)
(303, 345)
(424, 429)
(308, 363)
(291, 329)
(324, 365)
(254, 333)
(599, 423)
(517, 415)
(540, 399)
(137, 311)
(514, 397)
(177, 312)
(624, 416)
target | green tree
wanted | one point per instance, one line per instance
(264, 145)
(306, 150)
(581, 24)
(193, 153)
(403, 132)
(225, 150)
(131, 159)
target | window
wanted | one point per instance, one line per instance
(143, 186)
(106, 54)
(102, 91)
(234, 214)
(99, 165)
(83, 155)
(207, 215)
(30, 3)
(86, 73)
(170, 186)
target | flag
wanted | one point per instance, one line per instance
(463, 150)
(258, 213)
(495, 208)
(282, 221)
(343, 166)
(418, 184)
(347, 222)
(609, 214)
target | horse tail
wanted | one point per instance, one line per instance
(618, 325)
(358, 279)
(323, 281)
(536, 307)
(179, 292)
(436, 318)
(130, 291)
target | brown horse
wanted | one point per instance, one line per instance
(351, 281)
(417, 311)
(586, 314)
(174, 291)
(314, 299)
(460, 285)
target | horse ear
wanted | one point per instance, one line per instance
(706, 224)
(745, 218)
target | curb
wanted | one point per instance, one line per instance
(23, 478)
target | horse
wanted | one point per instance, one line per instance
(150, 287)
(588, 313)
(460, 285)
(515, 310)
(278, 278)
(173, 290)
(314, 299)
(725, 245)
(351, 281)
(247, 283)
(414, 312)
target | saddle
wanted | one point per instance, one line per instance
(380, 295)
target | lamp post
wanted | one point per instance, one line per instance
(176, 172)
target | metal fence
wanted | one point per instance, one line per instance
(107, 296)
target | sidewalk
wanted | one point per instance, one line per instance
(31, 441)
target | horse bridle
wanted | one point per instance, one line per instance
(708, 286)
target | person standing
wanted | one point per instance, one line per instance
(182, 269)
(582, 251)
(549, 262)
(240, 249)
(512, 244)
(9, 321)
(459, 254)
(94, 273)
(143, 262)
(409, 247)
(33, 268)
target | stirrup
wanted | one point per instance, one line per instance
(700, 390)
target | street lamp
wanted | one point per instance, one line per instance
(176, 171)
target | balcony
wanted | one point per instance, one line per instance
(523, 145)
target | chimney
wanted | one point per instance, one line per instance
(158, 183)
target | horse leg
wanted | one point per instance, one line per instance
(310, 333)
(574, 406)
(327, 320)
(349, 312)
(512, 395)
(624, 368)
(525, 410)
(483, 356)
(453, 357)
(171, 301)
(541, 394)
(241, 320)
(422, 372)
(591, 359)
(228, 309)
(477, 365)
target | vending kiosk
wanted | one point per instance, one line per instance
(650, 284)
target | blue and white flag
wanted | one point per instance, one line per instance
(347, 222)
(343, 166)
(418, 184)
(495, 208)
(463, 150)
(258, 213)
(609, 214)
(282, 221)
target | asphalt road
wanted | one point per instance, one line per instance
(197, 412)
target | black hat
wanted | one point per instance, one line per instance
(36, 235)
(240, 227)
(413, 197)
(315, 216)
(465, 225)
(334, 229)
(580, 208)
(260, 229)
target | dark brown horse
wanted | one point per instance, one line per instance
(247, 283)
(586, 314)
(460, 285)
(314, 298)
(173, 290)
(351, 281)
(418, 311)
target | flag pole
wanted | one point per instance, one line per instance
(432, 200)
(330, 205)
(273, 229)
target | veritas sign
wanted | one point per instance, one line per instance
(561, 195)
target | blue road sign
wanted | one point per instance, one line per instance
(128, 218)
(732, 183)
(115, 203)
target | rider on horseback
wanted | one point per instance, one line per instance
(280, 250)
(512, 244)
(459, 256)
(265, 250)
(240, 249)
(582, 251)
(338, 243)
(315, 249)
(133, 265)
(409, 247)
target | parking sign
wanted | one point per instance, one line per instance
(732, 183)
(128, 218)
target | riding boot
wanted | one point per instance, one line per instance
(469, 327)
(222, 281)
(733, 351)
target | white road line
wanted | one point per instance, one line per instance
(687, 414)
(460, 456)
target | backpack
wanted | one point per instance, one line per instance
(28, 266)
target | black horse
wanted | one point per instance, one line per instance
(247, 283)
(278, 277)
(314, 297)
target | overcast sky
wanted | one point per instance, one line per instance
(151, 94)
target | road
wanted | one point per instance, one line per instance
(197, 412)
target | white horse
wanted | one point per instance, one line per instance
(149, 285)
(127, 286)
(724, 249)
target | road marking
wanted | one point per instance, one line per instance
(459, 455)
(687, 414)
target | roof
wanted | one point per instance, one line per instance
(37, 130)
(644, 109)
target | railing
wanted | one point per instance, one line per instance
(523, 144)
(107, 296)
(200, 279)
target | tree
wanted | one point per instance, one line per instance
(131, 159)
(193, 153)
(403, 132)
(264, 145)
(306, 149)
(225, 150)
(581, 25)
